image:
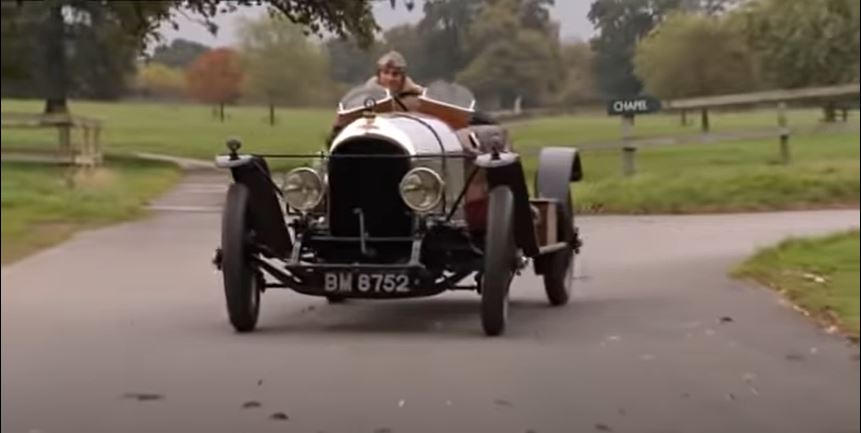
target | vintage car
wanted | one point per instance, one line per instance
(399, 205)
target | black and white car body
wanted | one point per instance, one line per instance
(400, 205)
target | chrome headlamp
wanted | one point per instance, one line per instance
(303, 188)
(422, 189)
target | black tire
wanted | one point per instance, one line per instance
(559, 272)
(499, 256)
(242, 283)
(559, 277)
(335, 299)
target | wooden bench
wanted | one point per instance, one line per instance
(84, 152)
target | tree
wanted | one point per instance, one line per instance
(215, 77)
(139, 21)
(95, 60)
(804, 43)
(282, 65)
(672, 63)
(444, 31)
(620, 24)
(579, 62)
(160, 81)
(511, 60)
(179, 54)
(350, 64)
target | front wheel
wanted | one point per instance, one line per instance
(242, 282)
(499, 260)
(559, 276)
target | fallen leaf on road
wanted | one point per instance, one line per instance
(726, 319)
(281, 416)
(730, 396)
(602, 427)
(259, 382)
(250, 404)
(502, 402)
(794, 356)
(143, 396)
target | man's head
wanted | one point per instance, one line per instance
(392, 71)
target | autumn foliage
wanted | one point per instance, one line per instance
(215, 77)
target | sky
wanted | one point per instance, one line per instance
(571, 14)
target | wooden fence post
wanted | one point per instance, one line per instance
(704, 118)
(629, 151)
(785, 155)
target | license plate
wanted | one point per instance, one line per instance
(365, 282)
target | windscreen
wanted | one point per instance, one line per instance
(358, 96)
(450, 93)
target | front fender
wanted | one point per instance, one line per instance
(505, 169)
(558, 167)
(265, 214)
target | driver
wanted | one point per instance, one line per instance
(392, 74)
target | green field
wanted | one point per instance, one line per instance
(726, 176)
(40, 209)
(192, 131)
(821, 275)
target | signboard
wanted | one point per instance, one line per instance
(632, 106)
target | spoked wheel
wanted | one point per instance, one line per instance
(242, 282)
(559, 277)
(499, 260)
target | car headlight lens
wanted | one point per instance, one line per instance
(421, 189)
(303, 188)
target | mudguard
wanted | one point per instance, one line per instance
(507, 170)
(557, 168)
(265, 214)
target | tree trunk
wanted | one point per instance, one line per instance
(55, 72)
(830, 112)
(704, 119)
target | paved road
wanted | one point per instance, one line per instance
(91, 327)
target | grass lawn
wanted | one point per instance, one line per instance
(727, 176)
(39, 210)
(730, 176)
(820, 275)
